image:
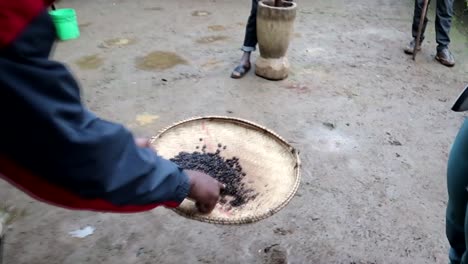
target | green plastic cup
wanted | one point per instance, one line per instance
(65, 23)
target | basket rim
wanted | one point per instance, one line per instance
(249, 219)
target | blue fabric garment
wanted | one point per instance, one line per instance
(46, 129)
(457, 183)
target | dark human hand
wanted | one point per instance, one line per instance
(204, 190)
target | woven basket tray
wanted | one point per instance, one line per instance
(271, 164)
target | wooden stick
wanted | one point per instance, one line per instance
(420, 28)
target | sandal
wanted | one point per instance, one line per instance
(241, 70)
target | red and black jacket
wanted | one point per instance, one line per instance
(55, 149)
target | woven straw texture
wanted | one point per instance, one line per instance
(271, 164)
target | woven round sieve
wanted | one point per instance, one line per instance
(271, 164)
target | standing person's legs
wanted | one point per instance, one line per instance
(250, 42)
(250, 39)
(418, 6)
(457, 182)
(444, 13)
(443, 22)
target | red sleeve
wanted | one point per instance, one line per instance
(40, 189)
(15, 15)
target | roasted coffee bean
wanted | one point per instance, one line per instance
(227, 171)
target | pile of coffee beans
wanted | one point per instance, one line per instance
(226, 171)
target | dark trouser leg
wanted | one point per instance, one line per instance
(457, 182)
(250, 40)
(443, 23)
(418, 6)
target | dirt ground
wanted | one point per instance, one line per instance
(374, 129)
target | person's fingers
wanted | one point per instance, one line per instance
(202, 208)
(222, 186)
(206, 208)
(142, 142)
(209, 207)
(198, 206)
